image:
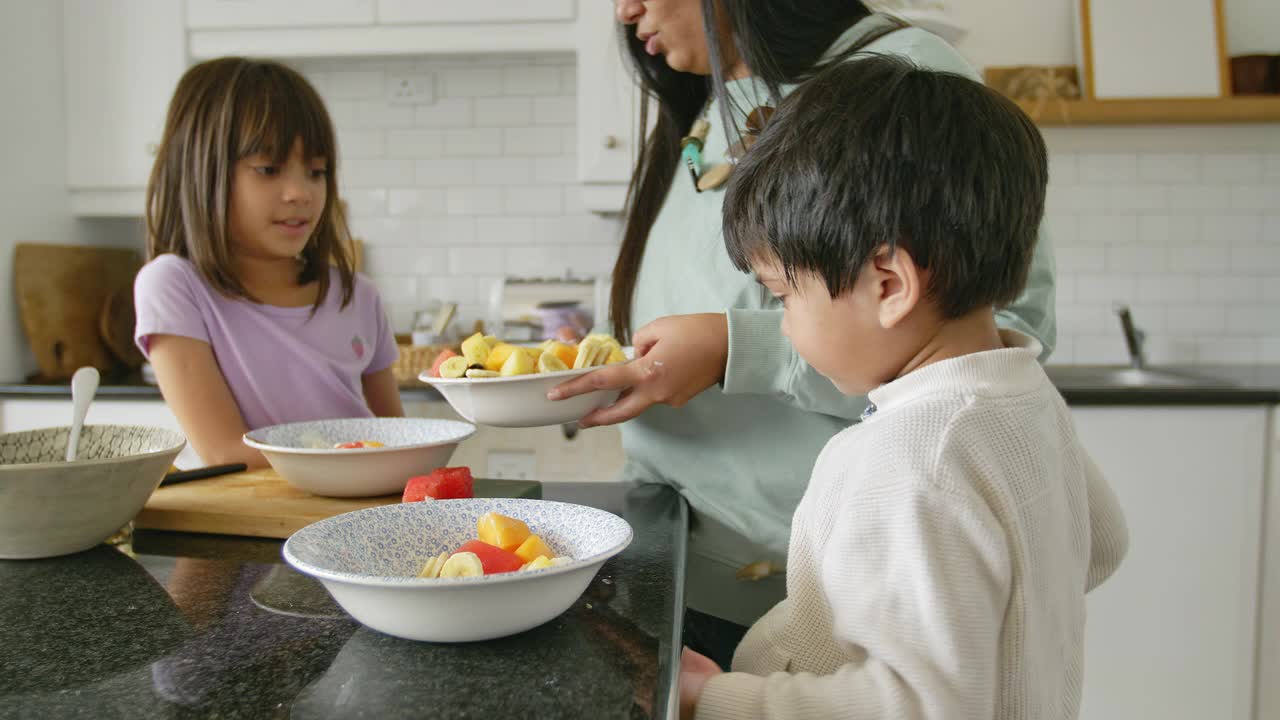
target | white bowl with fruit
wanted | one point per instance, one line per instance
(458, 570)
(505, 384)
(358, 457)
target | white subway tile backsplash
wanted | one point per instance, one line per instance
(444, 112)
(1231, 229)
(578, 230)
(531, 80)
(1231, 167)
(1270, 287)
(1063, 169)
(533, 200)
(1134, 196)
(1091, 315)
(532, 140)
(445, 171)
(1199, 258)
(397, 261)
(573, 202)
(504, 170)
(555, 110)
(1169, 168)
(503, 111)
(376, 172)
(397, 289)
(377, 114)
(447, 231)
(1255, 197)
(450, 288)
(1271, 167)
(1100, 349)
(561, 170)
(364, 202)
(505, 231)
(569, 80)
(392, 232)
(1169, 350)
(1136, 258)
(1108, 168)
(362, 143)
(1226, 350)
(1107, 286)
(1271, 229)
(1168, 288)
(416, 143)
(1196, 317)
(472, 142)
(354, 84)
(1255, 259)
(1063, 230)
(471, 82)
(477, 260)
(1230, 288)
(417, 202)
(1079, 259)
(474, 200)
(1254, 319)
(1108, 229)
(1196, 197)
(1168, 230)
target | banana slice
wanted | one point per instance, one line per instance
(463, 564)
(476, 373)
(476, 349)
(591, 352)
(538, 563)
(432, 568)
(454, 367)
(548, 362)
(562, 560)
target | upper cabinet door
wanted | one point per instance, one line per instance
(608, 111)
(475, 11)
(226, 14)
(122, 61)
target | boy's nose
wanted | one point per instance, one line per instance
(628, 12)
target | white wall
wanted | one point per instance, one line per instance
(33, 194)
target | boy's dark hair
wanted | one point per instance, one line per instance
(877, 151)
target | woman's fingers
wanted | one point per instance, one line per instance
(609, 377)
(628, 406)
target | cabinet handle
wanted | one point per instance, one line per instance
(611, 141)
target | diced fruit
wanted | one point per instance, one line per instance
(615, 356)
(566, 353)
(493, 559)
(491, 340)
(610, 341)
(498, 355)
(434, 565)
(518, 362)
(532, 547)
(441, 484)
(477, 373)
(462, 564)
(538, 563)
(454, 367)
(591, 352)
(550, 362)
(504, 532)
(440, 358)
(475, 349)
(358, 445)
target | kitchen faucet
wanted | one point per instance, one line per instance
(1133, 337)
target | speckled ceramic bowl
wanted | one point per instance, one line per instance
(369, 560)
(304, 454)
(51, 507)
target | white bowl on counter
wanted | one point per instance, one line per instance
(304, 453)
(520, 400)
(369, 559)
(51, 507)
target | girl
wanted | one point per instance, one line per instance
(732, 416)
(249, 308)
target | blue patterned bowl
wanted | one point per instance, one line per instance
(304, 454)
(369, 560)
(50, 507)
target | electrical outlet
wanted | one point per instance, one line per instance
(411, 88)
(512, 465)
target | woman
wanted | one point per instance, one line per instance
(720, 406)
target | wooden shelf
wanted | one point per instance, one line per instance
(1174, 111)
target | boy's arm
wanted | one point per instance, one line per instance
(762, 361)
(1108, 533)
(919, 599)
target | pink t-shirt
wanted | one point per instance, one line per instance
(282, 364)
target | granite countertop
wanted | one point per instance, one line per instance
(183, 625)
(1226, 385)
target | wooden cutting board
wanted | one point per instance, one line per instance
(61, 291)
(259, 503)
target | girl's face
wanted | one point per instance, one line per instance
(274, 208)
(671, 28)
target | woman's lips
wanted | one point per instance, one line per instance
(651, 45)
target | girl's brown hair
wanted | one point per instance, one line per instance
(224, 110)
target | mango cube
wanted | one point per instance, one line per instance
(532, 547)
(518, 362)
(505, 532)
(498, 355)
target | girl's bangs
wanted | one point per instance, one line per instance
(276, 110)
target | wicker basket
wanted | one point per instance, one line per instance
(414, 360)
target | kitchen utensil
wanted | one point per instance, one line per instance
(84, 384)
(520, 400)
(260, 503)
(115, 326)
(61, 291)
(304, 453)
(443, 317)
(203, 473)
(52, 507)
(369, 559)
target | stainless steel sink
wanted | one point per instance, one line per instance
(1119, 376)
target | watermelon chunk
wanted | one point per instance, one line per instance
(441, 484)
(494, 559)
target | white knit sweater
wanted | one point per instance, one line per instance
(939, 559)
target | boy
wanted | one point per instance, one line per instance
(939, 559)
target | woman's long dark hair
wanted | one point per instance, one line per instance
(781, 41)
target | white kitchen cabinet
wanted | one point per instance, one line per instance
(18, 414)
(222, 14)
(122, 61)
(474, 11)
(608, 111)
(1173, 634)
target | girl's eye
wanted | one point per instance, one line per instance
(266, 170)
(319, 172)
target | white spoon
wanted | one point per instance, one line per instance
(83, 386)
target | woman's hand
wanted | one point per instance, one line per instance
(677, 357)
(695, 670)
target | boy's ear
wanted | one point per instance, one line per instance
(898, 284)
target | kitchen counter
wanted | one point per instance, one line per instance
(1240, 385)
(205, 625)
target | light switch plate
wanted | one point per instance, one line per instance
(411, 88)
(512, 465)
